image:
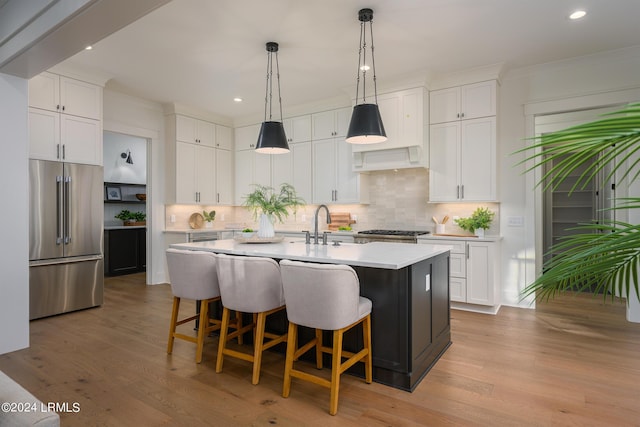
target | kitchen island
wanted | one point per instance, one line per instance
(408, 285)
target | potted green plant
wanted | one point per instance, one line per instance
(247, 233)
(478, 222)
(209, 217)
(270, 205)
(132, 218)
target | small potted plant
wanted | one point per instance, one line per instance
(271, 204)
(132, 218)
(478, 222)
(209, 217)
(247, 233)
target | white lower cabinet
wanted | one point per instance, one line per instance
(474, 273)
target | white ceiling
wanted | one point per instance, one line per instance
(203, 53)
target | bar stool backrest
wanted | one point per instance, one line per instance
(322, 296)
(193, 274)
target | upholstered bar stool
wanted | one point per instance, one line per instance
(193, 276)
(324, 297)
(249, 285)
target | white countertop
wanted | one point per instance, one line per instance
(221, 230)
(199, 230)
(468, 238)
(375, 254)
(123, 227)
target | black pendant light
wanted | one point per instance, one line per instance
(366, 124)
(272, 139)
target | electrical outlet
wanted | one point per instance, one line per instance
(455, 217)
(515, 221)
(354, 217)
(222, 217)
(303, 218)
(172, 218)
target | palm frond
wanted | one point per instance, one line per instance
(603, 258)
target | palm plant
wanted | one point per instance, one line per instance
(605, 261)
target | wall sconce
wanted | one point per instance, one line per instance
(127, 156)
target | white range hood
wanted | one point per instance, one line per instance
(394, 158)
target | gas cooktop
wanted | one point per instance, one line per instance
(394, 232)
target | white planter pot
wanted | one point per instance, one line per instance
(479, 232)
(266, 227)
(208, 224)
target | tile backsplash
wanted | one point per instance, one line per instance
(398, 200)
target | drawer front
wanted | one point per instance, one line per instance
(457, 246)
(458, 265)
(458, 289)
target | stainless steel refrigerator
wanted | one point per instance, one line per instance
(66, 226)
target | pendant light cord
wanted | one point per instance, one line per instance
(268, 98)
(362, 60)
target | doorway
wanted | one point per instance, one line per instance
(563, 209)
(125, 212)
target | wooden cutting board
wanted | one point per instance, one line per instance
(340, 219)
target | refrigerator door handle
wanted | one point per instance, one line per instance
(59, 211)
(67, 210)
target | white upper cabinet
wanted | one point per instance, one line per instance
(251, 168)
(462, 144)
(333, 178)
(298, 129)
(65, 120)
(198, 172)
(330, 124)
(195, 131)
(224, 177)
(463, 102)
(224, 137)
(403, 117)
(246, 137)
(52, 92)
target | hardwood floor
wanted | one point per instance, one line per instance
(573, 361)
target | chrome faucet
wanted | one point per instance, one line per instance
(315, 236)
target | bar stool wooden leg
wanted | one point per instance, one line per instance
(336, 369)
(319, 361)
(258, 347)
(222, 341)
(172, 325)
(366, 338)
(203, 327)
(292, 344)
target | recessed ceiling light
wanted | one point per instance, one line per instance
(577, 14)
(88, 47)
(236, 99)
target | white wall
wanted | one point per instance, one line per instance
(14, 257)
(133, 116)
(116, 169)
(585, 82)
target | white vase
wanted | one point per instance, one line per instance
(266, 230)
(208, 224)
(479, 232)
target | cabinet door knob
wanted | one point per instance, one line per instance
(58, 107)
